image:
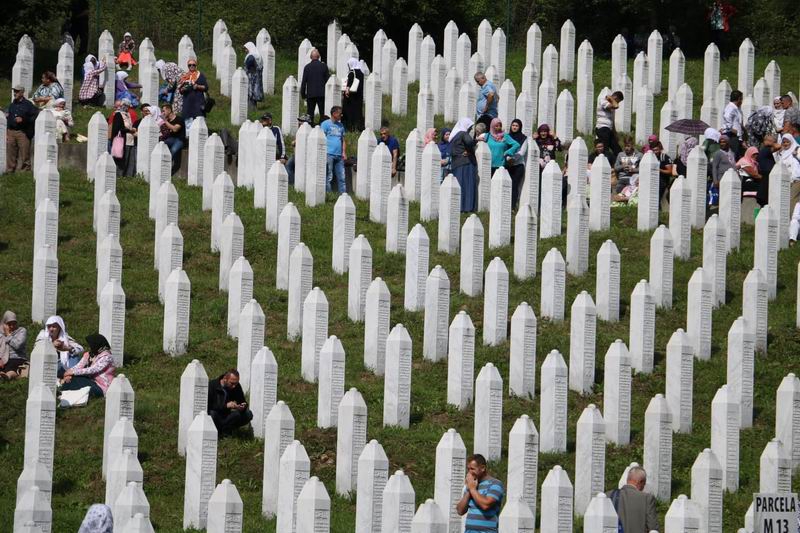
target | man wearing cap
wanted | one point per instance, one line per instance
(312, 85)
(21, 118)
(13, 341)
(280, 151)
(290, 163)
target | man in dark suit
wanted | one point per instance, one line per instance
(312, 86)
(226, 403)
(635, 508)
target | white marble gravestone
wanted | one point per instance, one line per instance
(741, 369)
(288, 238)
(590, 457)
(397, 220)
(600, 515)
(112, 319)
(177, 297)
(278, 435)
(533, 46)
(715, 257)
(289, 109)
(36, 474)
(264, 158)
(398, 503)
(240, 285)
(680, 209)
(658, 448)
(123, 469)
(483, 157)
(315, 332)
(546, 102)
(642, 327)
(213, 164)
(779, 201)
(522, 358)
(344, 228)
(449, 225)
(225, 509)
(373, 98)
(388, 60)
(707, 490)
(599, 188)
(45, 283)
(276, 195)
(316, 161)
(46, 225)
(201, 471)
(397, 380)
(747, 53)
(460, 361)
(313, 507)
(680, 381)
(417, 253)
(108, 220)
(472, 251)
(565, 115)
(550, 208)
(607, 282)
(500, 209)
(617, 394)
(96, 145)
(221, 206)
(787, 419)
(775, 468)
(525, 242)
(33, 512)
(765, 248)
(754, 307)
(376, 325)
(488, 431)
(585, 87)
(301, 276)
(251, 331)
(359, 277)
(331, 382)
(577, 235)
(351, 437)
(194, 400)
(583, 319)
(399, 88)
(43, 366)
(698, 313)
(48, 180)
(294, 471)
(553, 286)
(380, 183)
(373, 473)
(40, 426)
(557, 501)
(495, 307)
(725, 436)
(644, 112)
(549, 70)
(239, 97)
(263, 388)
(166, 214)
(437, 315)
(431, 175)
(451, 458)
(523, 461)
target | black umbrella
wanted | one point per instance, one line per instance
(688, 126)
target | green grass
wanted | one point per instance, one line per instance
(155, 377)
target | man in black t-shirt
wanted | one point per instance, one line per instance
(173, 133)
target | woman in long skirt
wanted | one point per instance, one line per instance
(353, 97)
(463, 163)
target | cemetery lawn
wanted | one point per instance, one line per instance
(155, 377)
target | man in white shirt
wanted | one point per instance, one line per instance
(732, 122)
(604, 123)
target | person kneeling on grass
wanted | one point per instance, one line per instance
(95, 369)
(226, 403)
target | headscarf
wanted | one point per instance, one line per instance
(124, 105)
(354, 64)
(686, 148)
(190, 76)
(462, 126)
(788, 157)
(518, 136)
(749, 158)
(711, 134)
(127, 34)
(430, 135)
(87, 63)
(253, 51)
(59, 101)
(121, 75)
(98, 520)
(363, 66)
(497, 136)
(169, 71)
(62, 336)
(444, 146)
(155, 112)
(97, 344)
(543, 128)
(160, 66)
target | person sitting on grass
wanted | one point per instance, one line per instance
(95, 369)
(13, 341)
(126, 48)
(69, 351)
(226, 403)
(64, 120)
(49, 91)
(173, 133)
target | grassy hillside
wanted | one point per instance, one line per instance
(155, 377)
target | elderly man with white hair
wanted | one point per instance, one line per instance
(635, 508)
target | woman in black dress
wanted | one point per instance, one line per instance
(353, 100)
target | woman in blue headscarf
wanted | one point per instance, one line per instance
(444, 150)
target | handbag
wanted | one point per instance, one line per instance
(209, 105)
(355, 85)
(118, 146)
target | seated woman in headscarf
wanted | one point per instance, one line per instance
(48, 91)
(122, 90)
(516, 166)
(167, 92)
(711, 144)
(501, 144)
(91, 92)
(747, 166)
(789, 156)
(444, 152)
(98, 519)
(684, 150)
(548, 145)
(126, 48)
(69, 351)
(95, 369)
(13, 347)
(64, 120)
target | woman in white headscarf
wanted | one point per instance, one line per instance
(171, 73)
(778, 113)
(789, 156)
(64, 119)
(254, 66)
(69, 351)
(353, 96)
(123, 89)
(98, 519)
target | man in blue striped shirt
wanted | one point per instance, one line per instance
(482, 499)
